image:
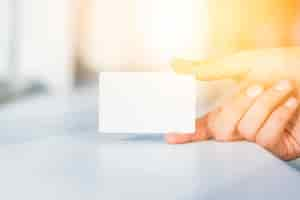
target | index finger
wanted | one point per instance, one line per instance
(207, 70)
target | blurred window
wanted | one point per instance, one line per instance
(11, 86)
(8, 25)
(7, 37)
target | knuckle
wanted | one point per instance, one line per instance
(287, 156)
(245, 132)
(212, 128)
(219, 133)
(223, 138)
(241, 129)
(263, 141)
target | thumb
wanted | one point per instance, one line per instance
(257, 64)
(225, 68)
(200, 134)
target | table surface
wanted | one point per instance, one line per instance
(50, 149)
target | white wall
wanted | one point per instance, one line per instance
(5, 25)
(46, 40)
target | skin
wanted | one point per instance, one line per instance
(265, 65)
(267, 116)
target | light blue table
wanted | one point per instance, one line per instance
(50, 149)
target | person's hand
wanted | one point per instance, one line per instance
(264, 65)
(267, 116)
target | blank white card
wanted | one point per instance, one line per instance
(146, 102)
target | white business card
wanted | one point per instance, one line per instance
(146, 102)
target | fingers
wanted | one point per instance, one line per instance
(271, 133)
(182, 66)
(174, 138)
(228, 67)
(208, 70)
(294, 127)
(224, 125)
(200, 134)
(262, 108)
(219, 71)
(247, 63)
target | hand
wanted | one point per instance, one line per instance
(265, 66)
(267, 116)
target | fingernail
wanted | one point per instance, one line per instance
(254, 91)
(283, 85)
(291, 102)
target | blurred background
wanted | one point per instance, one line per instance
(58, 45)
(50, 54)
